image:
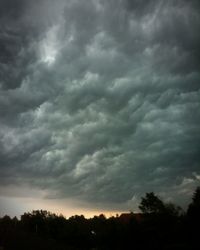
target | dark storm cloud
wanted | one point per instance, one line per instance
(100, 99)
(22, 25)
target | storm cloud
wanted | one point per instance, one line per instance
(100, 100)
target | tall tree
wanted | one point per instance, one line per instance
(194, 207)
(151, 204)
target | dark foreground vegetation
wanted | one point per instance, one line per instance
(159, 226)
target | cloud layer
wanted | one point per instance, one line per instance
(99, 100)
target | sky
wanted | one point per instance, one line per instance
(99, 104)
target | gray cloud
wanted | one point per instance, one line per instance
(99, 100)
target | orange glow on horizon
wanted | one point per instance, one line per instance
(16, 206)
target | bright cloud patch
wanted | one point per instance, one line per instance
(49, 46)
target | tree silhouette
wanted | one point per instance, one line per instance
(196, 197)
(151, 204)
(160, 226)
(194, 208)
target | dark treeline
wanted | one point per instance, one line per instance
(159, 226)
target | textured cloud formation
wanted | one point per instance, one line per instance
(99, 100)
